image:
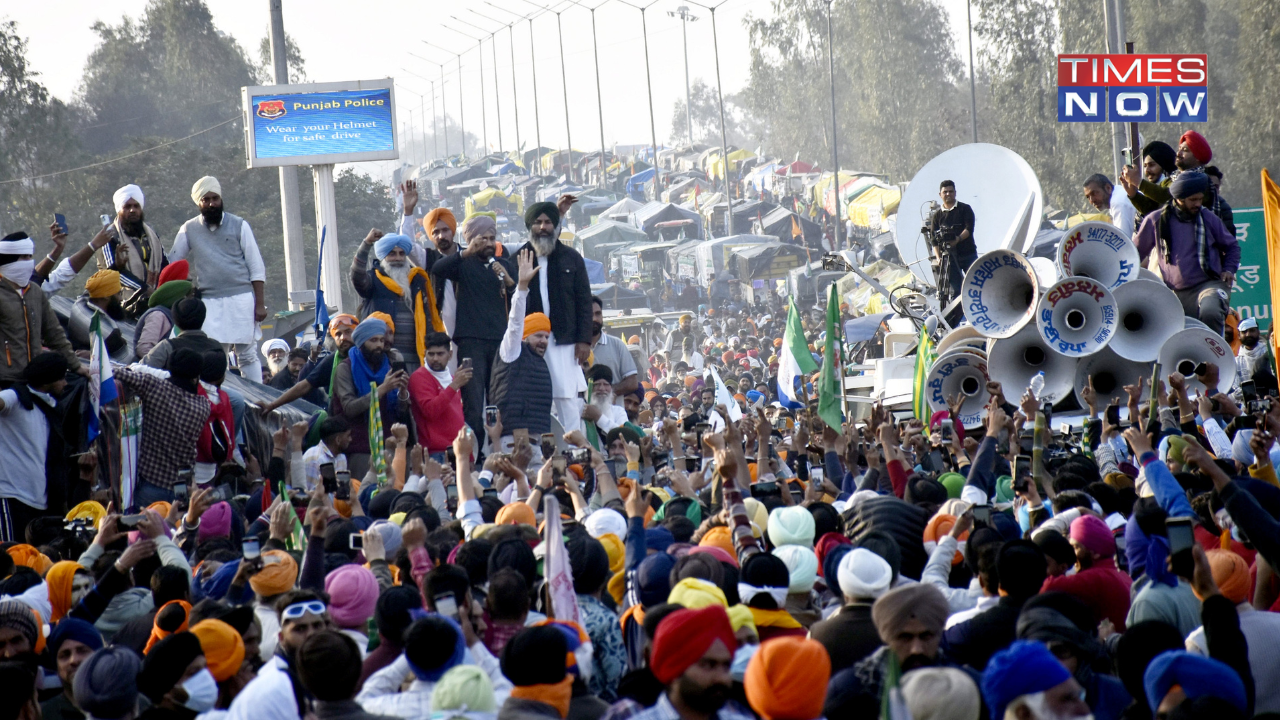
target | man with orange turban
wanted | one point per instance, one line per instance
(787, 679)
(692, 652)
(440, 225)
(521, 385)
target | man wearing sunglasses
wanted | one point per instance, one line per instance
(274, 693)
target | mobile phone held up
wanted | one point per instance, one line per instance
(61, 221)
(491, 415)
(249, 548)
(330, 478)
(447, 605)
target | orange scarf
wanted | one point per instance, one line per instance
(635, 612)
(60, 579)
(419, 309)
(557, 695)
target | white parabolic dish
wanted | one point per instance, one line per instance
(993, 179)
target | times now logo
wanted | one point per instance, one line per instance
(1133, 88)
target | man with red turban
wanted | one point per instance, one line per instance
(1099, 583)
(692, 652)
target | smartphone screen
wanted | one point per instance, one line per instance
(399, 366)
(1021, 472)
(61, 221)
(446, 605)
(465, 364)
(249, 548)
(491, 415)
(1181, 536)
(355, 541)
(982, 514)
(1113, 415)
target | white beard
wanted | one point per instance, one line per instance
(603, 402)
(276, 366)
(400, 275)
(543, 245)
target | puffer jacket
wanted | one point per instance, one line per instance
(28, 324)
(904, 522)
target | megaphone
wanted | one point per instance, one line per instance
(1150, 313)
(965, 334)
(959, 373)
(999, 293)
(1046, 270)
(1186, 349)
(1012, 362)
(1077, 316)
(1110, 374)
(1097, 250)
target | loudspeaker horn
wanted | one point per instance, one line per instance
(1186, 349)
(1110, 373)
(1046, 270)
(1077, 316)
(964, 374)
(1150, 313)
(999, 293)
(963, 334)
(1012, 362)
(1189, 322)
(1097, 250)
(1145, 274)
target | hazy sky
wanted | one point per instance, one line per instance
(345, 40)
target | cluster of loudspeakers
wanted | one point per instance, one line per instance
(1094, 314)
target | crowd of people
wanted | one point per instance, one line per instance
(504, 511)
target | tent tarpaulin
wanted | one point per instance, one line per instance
(799, 167)
(495, 200)
(712, 255)
(745, 214)
(781, 222)
(716, 168)
(622, 210)
(608, 232)
(767, 260)
(616, 297)
(872, 206)
(655, 212)
(758, 176)
(636, 182)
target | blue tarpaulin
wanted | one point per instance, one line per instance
(595, 271)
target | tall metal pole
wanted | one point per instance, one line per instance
(462, 112)
(973, 93)
(688, 103)
(835, 155)
(1117, 130)
(435, 127)
(515, 101)
(564, 84)
(724, 138)
(493, 41)
(1135, 152)
(295, 264)
(533, 72)
(653, 131)
(484, 117)
(595, 50)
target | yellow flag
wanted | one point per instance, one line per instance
(1271, 215)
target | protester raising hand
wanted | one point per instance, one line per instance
(528, 268)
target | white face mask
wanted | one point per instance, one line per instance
(18, 272)
(202, 692)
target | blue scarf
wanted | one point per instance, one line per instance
(362, 375)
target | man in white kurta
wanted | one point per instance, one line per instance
(228, 272)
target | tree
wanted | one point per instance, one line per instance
(293, 57)
(706, 116)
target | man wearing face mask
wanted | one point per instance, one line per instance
(27, 321)
(1253, 352)
(176, 679)
(227, 270)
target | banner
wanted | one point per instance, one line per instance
(559, 573)
(1251, 296)
(130, 434)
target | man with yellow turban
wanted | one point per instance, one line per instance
(228, 272)
(521, 384)
(133, 249)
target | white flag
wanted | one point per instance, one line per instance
(559, 574)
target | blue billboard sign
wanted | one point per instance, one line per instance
(320, 123)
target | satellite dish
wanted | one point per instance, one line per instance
(994, 180)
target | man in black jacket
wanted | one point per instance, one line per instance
(564, 294)
(483, 280)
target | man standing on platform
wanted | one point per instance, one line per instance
(564, 295)
(951, 228)
(228, 273)
(134, 250)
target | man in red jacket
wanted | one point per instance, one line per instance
(437, 406)
(1099, 583)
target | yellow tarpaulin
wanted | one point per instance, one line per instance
(717, 166)
(870, 207)
(486, 197)
(1075, 220)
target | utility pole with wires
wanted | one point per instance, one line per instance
(295, 262)
(686, 17)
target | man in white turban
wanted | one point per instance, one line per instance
(133, 250)
(27, 322)
(227, 269)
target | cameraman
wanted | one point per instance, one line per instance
(951, 234)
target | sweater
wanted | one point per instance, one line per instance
(437, 411)
(224, 260)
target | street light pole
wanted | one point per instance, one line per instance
(515, 98)
(462, 113)
(493, 42)
(686, 17)
(494, 39)
(724, 138)
(595, 51)
(835, 155)
(564, 85)
(648, 82)
(973, 93)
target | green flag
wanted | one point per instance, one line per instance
(924, 361)
(297, 539)
(830, 389)
(376, 458)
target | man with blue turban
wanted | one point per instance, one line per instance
(1026, 682)
(395, 285)
(1198, 257)
(368, 364)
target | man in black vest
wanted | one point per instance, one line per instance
(521, 381)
